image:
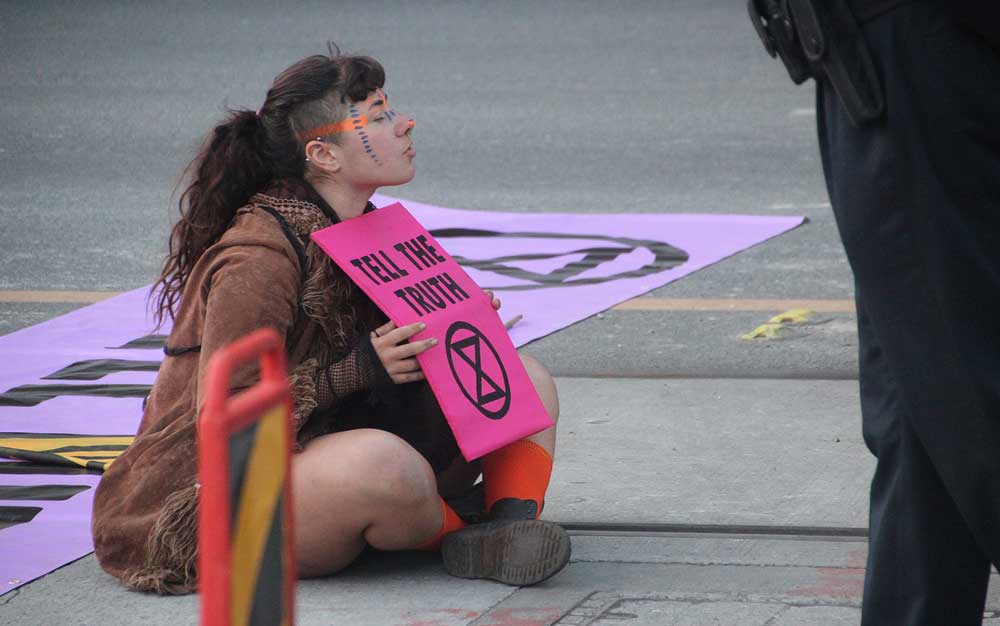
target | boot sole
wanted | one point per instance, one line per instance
(519, 553)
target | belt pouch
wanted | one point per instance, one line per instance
(837, 51)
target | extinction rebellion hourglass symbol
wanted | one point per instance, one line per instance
(478, 370)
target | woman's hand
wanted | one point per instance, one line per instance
(496, 306)
(398, 356)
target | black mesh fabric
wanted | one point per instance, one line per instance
(356, 392)
(353, 373)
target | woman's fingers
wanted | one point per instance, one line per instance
(413, 348)
(409, 377)
(384, 329)
(399, 335)
(493, 299)
(404, 366)
(398, 355)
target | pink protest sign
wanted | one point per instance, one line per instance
(475, 371)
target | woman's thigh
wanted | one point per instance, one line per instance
(356, 488)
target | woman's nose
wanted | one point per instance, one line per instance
(405, 124)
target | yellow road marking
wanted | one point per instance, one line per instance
(84, 297)
(635, 304)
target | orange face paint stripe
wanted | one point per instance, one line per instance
(333, 128)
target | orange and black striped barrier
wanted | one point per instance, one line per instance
(246, 560)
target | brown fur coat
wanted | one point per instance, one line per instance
(145, 508)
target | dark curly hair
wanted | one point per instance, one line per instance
(249, 149)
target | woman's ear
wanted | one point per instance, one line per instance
(324, 155)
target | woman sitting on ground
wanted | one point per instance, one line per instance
(374, 457)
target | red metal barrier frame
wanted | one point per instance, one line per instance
(221, 416)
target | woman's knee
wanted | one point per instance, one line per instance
(544, 384)
(373, 464)
(357, 487)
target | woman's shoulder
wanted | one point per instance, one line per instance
(257, 232)
(254, 225)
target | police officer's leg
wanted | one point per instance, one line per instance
(922, 268)
(926, 251)
(924, 567)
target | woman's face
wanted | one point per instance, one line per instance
(377, 148)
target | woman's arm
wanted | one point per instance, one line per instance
(359, 371)
(247, 287)
(377, 363)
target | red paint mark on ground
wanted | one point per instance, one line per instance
(434, 617)
(523, 616)
(857, 557)
(834, 583)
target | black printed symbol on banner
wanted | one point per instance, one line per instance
(14, 515)
(469, 365)
(27, 467)
(665, 257)
(94, 369)
(89, 452)
(32, 395)
(40, 492)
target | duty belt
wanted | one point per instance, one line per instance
(822, 39)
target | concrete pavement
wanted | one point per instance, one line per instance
(690, 501)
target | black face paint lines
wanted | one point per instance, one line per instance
(359, 128)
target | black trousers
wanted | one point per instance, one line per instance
(917, 201)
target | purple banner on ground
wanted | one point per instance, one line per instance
(57, 534)
(94, 333)
(38, 536)
(560, 268)
(85, 373)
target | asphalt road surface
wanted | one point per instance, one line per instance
(593, 107)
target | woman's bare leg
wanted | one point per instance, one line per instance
(546, 388)
(355, 488)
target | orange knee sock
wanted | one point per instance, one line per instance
(450, 522)
(520, 471)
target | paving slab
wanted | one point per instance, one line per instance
(720, 548)
(818, 584)
(710, 451)
(694, 453)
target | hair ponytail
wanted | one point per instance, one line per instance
(230, 167)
